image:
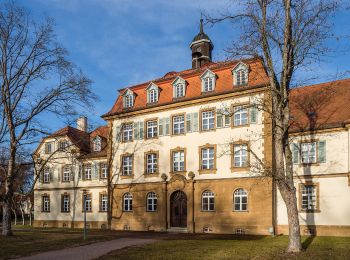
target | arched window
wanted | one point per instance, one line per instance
(241, 77)
(152, 96)
(127, 202)
(151, 201)
(128, 101)
(208, 84)
(207, 200)
(240, 200)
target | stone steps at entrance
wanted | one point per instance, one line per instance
(177, 230)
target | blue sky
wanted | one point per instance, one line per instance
(121, 42)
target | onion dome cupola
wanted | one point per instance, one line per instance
(201, 47)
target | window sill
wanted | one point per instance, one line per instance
(127, 141)
(240, 169)
(182, 172)
(207, 171)
(65, 211)
(152, 211)
(150, 175)
(151, 138)
(128, 211)
(239, 126)
(208, 211)
(207, 130)
(310, 211)
(240, 211)
(178, 134)
(127, 176)
(90, 211)
(102, 211)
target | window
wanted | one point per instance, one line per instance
(308, 152)
(127, 132)
(151, 201)
(128, 101)
(178, 159)
(240, 200)
(62, 146)
(46, 203)
(152, 129)
(127, 165)
(208, 120)
(152, 96)
(308, 197)
(179, 90)
(104, 171)
(65, 203)
(88, 202)
(241, 77)
(178, 124)
(103, 202)
(66, 173)
(240, 155)
(208, 81)
(151, 163)
(127, 202)
(207, 201)
(207, 158)
(49, 148)
(47, 175)
(97, 144)
(240, 116)
(87, 171)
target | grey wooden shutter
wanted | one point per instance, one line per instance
(253, 115)
(141, 132)
(295, 153)
(41, 176)
(71, 168)
(80, 171)
(52, 173)
(136, 130)
(118, 133)
(167, 126)
(195, 122)
(218, 118)
(321, 151)
(95, 170)
(161, 127)
(188, 123)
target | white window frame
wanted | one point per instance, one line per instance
(104, 171)
(208, 120)
(208, 201)
(151, 163)
(128, 132)
(88, 202)
(178, 161)
(240, 74)
(178, 124)
(208, 81)
(207, 158)
(240, 200)
(87, 171)
(66, 173)
(65, 203)
(103, 202)
(47, 175)
(151, 129)
(240, 115)
(309, 197)
(152, 201)
(46, 203)
(179, 87)
(308, 152)
(128, 100)
(127, 164)
(49, 147)
(127, 202)
(62, 145)
(97, 143)
(240, 155)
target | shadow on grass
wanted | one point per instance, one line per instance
(307, 242)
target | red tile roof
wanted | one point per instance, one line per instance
(321, 106)
(224, 84)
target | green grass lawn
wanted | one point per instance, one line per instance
(237, 248)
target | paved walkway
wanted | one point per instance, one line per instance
(90, 251)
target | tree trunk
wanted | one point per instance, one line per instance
(6, 219)
(22, 213)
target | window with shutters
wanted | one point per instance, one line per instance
(207, 162)
(103, 202)
(47, 175)
(151, 162)
(207, 120)
(127, 202)
(240, 74)
(65, 203)
(62, 146)
(45, 203)
(178, 122)
(240, 200)
(66, 172)
(87, 172)
(151, 129)
(240, 116)
(104, 171)
(127, 165)
(308, 196)
(87, 202)
(240, 156)
(49, 147)
(208, 201)
(151, 203)
(178, 160)
(308, 152)
(127, 132)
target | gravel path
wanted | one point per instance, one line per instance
(90, 251)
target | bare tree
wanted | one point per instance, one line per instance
(289, 35)
(36, 80)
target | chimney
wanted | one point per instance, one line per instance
(82, 123)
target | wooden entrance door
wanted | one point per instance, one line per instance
(178, 205)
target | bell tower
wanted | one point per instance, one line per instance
(201, 47)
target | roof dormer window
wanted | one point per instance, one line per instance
(240, 74)
(152, 93)
(208, 81)
(179, 85)
(97, 144)
(128, 99)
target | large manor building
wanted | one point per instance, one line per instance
(192, 152)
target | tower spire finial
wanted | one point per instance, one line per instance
(201, 24)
